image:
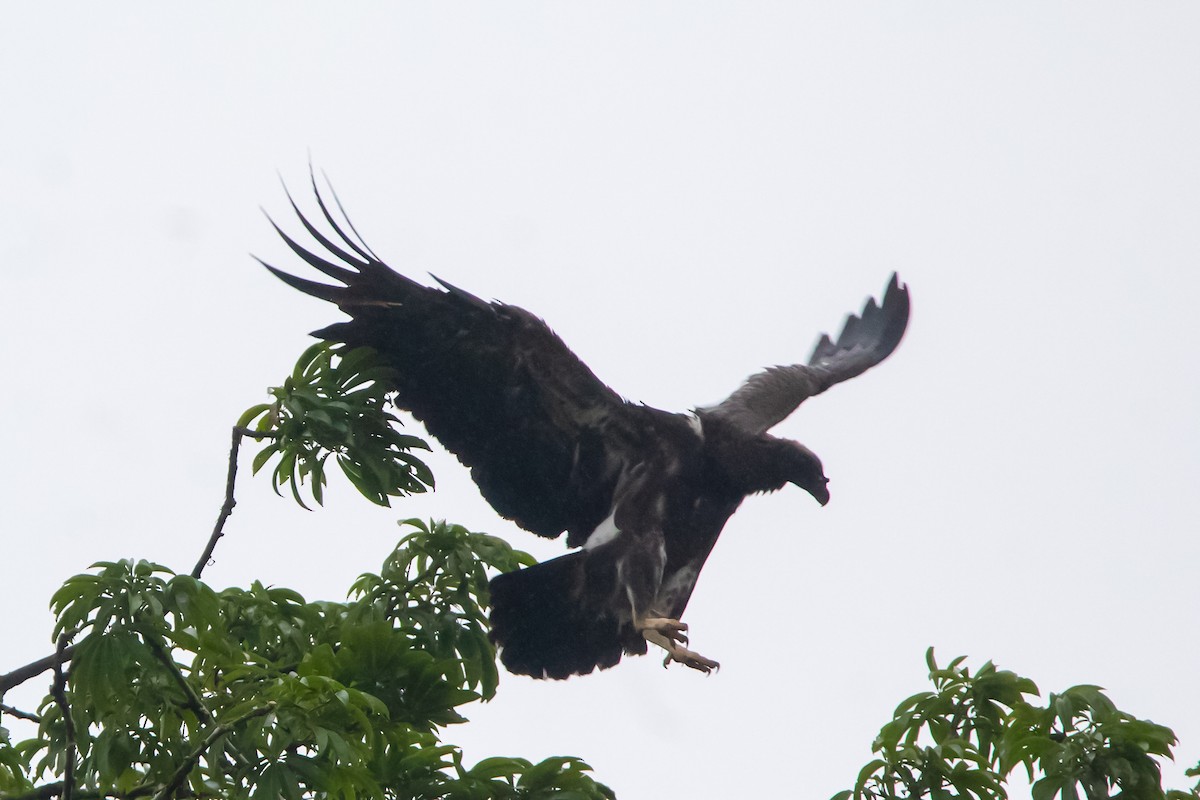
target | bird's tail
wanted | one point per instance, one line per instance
(546, 625)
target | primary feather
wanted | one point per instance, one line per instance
(644, 493)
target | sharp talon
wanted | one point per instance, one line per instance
(668, 634)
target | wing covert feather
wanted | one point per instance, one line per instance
(490, 381)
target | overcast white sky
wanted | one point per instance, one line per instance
(686, 192)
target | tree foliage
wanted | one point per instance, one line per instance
(178, 689)
(965, 738)
(175, 689)
(335, 403)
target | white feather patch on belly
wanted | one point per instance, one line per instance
(604, 533)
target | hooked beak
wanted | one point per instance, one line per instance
(820, 490)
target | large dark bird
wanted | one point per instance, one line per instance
(642, 493)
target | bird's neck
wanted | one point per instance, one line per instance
(742, 463)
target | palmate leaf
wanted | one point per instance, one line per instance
(985, 725)
(259, 692)
(334, 403)
(13, 767)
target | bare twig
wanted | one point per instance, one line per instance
(227, 506)
(12, 711)
(59, 691)
(5, 708)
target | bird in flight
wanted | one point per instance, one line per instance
(642, 494)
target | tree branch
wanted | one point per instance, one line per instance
(18, 713)
(46, 791)
(40, 793)
(32, 670)
(21, 674)
(59, 691)
(227, 506)
(160, 792)
(193, 700)
(177, 779)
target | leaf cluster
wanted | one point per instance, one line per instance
(176, 689)
(966, 737)
(13, 777)
(333, 404)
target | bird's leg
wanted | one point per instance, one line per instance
(669, 635)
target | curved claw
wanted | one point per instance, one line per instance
(692, 659)
(669, 635)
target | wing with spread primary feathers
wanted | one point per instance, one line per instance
(490, 381)
(767, 398)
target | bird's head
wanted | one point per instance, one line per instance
(753, 463)
(804, 469)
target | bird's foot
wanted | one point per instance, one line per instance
(669, 635)
(672, 629)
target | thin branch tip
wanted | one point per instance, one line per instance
(227, 506)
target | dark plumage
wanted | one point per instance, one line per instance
(644, 493)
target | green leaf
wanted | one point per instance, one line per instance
(252, 413)
(543, 774)
(263, 456)
(498, 767)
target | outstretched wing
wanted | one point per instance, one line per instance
(490, 381)
(766, 399)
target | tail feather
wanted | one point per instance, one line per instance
(545, 626)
